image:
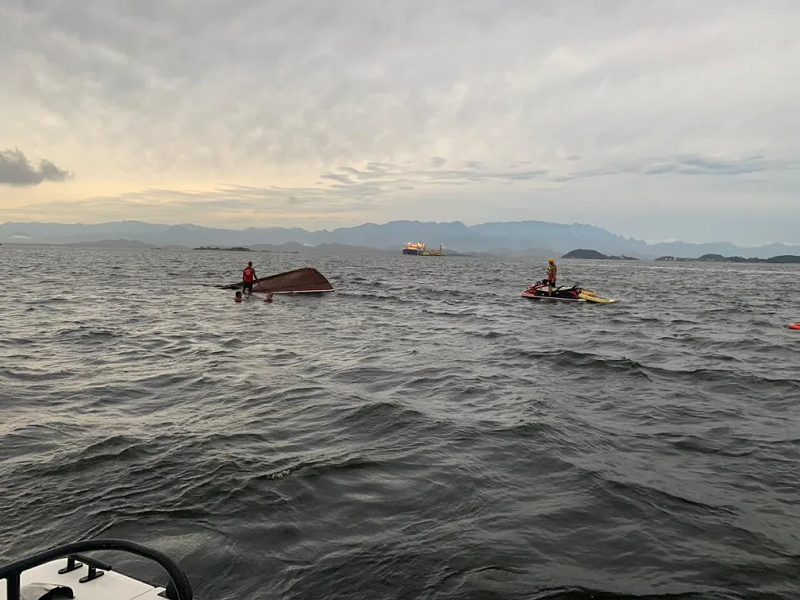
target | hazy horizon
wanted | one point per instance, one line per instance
(313, 230)
(659, 121)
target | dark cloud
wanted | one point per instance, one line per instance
(17, 170)
(335, 177)
(383, 178)
(701, 165)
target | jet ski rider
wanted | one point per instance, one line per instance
(248, 277)
(552, 272)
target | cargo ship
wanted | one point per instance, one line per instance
(420, 249)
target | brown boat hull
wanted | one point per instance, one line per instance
(299, 281)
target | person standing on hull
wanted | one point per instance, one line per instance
(552, 272)
(248, 277)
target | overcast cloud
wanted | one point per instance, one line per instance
(17, 170)
(659, 119)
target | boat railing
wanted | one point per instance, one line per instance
(178, 588)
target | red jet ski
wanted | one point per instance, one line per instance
(541, 291)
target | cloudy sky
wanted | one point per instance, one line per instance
(657, 119)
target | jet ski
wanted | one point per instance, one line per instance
(540, 291)
(65, 572)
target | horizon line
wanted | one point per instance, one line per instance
(454, 222)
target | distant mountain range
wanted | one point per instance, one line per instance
(516, 238)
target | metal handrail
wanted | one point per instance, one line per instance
(11, 572)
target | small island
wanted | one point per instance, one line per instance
(594, 255)
(783, 259)
(231, 249)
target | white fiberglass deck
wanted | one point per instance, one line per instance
(111, 586)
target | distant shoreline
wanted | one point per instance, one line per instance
(231, 249)
(783, 259)
(286, 248)
(526, 239)
(584, 254)
(346, 249)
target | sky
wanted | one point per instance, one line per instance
(656, 119)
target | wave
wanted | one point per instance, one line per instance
(423, 433)
(588, 360)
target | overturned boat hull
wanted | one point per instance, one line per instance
(299, 281)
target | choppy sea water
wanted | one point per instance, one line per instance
(424, 432)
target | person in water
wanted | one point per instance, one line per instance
(248, 277)
(238, 297)
(552, 272)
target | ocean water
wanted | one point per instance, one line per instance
(421, 433)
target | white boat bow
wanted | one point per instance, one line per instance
(65, 572)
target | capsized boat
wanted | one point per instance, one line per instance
(540, 291)
(299, 281)
(65, 572)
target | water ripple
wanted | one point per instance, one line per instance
(421, 433)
